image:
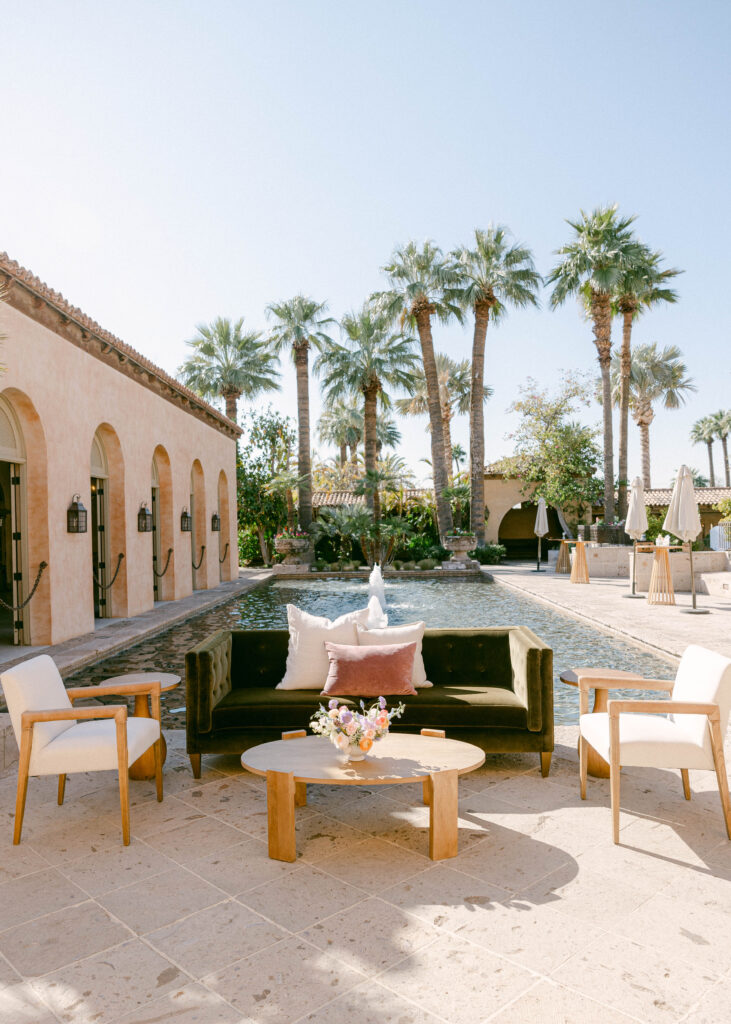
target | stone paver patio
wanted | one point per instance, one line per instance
(540, 917)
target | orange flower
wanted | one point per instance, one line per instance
(365, 744)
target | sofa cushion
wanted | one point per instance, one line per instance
(442, 706)
(474, 656)
(370, 671)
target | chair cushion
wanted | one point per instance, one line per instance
(439, 707)
(36, 685)
(374, 637)
(92, 746)
(705, 677)
(651, 741)
(370, 671)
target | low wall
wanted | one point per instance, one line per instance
(703, 562)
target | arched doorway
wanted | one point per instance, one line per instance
(198, 552)
(13, 528)
(516, 531)
(224, 548)
(107, 524)
(163, 563)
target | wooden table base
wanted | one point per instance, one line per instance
(579, 569)
(144, 767)
(597, 766)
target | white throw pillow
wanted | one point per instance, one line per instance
(409, 633)
(307, 660)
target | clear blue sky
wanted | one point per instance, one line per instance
(162, 163)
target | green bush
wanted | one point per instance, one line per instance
(409, 565)
(319, 565)
(489, 554)
(427, 563)
(439, 553)
(397, 564)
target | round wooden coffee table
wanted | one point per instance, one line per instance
(602, 680)
(291, 764)
(144, 766)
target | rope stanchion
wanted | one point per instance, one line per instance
(109, 586)
(225, 552)
(200, 563)
(19, 607)
(160, 575)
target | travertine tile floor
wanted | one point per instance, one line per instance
(539, 918)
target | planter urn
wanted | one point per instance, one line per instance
(294, 549)
(459, 545)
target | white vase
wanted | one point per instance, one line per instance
(354, 753)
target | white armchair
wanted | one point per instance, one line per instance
(685, 731)
(55, 738)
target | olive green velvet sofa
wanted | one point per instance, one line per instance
(493, 687)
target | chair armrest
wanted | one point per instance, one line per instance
(622, 683)
(532, 678)
(663, 707)
(29, 718)
(80, 692)
(207, 681)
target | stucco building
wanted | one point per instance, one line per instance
(85, 419)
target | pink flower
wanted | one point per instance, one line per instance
(351, 728)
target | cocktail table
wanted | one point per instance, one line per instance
(144, 766)
(290, 764)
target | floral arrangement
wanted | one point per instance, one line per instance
(457, 531)
(287, 534)
(354, 731)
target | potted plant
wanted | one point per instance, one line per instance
(293, 544)
(460, 542)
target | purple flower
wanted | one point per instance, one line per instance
(381, 703)
(332, 703)
(346, 716)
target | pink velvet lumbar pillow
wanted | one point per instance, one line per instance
(370, 671)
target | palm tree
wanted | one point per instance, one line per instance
(704, 432)
(229, 362)
(590, 267)
(655, 376)
(458, 457)
(422, 286)
(299, 324)
(495, 274)
(638, 288)
(722, 422)
(373, 358)
(341, 424)
(454, 396)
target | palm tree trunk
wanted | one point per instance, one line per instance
(354, 454)
(370, 427)
(447, 431)
(645, 448)
(290, 509)
(724, 445)
(711, 474)
(438, 458)
(231, 399)
(625, 369)
(304, 469)
(343, 454)
(477, 425)
(601, 315)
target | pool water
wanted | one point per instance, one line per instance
(439, 602)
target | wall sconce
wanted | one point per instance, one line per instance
(144, 519)
(216, 523)
(186, 521)
(76, 516)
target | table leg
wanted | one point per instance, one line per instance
(443, 815)
(144, 767)
(280, 815)
(563, 562)
(661, 581)
(580, 570)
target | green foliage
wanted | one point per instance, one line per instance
(558, 454)
(263, 454)
(249, 550)
(489, 554)
(427, 563)
(724, 507)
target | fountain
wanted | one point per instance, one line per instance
(376, 587)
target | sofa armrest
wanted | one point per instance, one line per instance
(207, 679)
(532, 665)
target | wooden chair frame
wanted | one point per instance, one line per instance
(649, 707)
(116, 711)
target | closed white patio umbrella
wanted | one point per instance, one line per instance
(684, 522)
(636, 524)
(541, 528)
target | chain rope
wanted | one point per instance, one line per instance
(197, 567)
(19, 607)
(225, 552)
(167, 563)
(116, 571)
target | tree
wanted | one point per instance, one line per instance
(372, 359)
(423, 285)
(341, 424)
(495, 274)
(556, 456)
(454, 381)
(590, 267)
(299, 324)
(722, 424)
(229, 363)
(704, 432)
(655, 376)
(265, 456)
(639, 288)
(458, 457)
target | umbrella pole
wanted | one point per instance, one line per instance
(538, 560)
(694, 610)
(633, 589)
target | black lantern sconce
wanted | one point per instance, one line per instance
(186, 521)
(76, 516)
(144, 519)
(216, 523)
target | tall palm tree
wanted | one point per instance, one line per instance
(495, 274)
(229, 363)
(298, 325)
(722, 423)
(655, 376)
(423, 286)
(372, 358)
(704, 432)
(590, 267)
(638, 288)
(341, 424)
(454, 396)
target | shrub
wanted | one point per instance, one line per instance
(397, 563)
(489, 554)
(724, 507)
(319, 565)
(409, 565)
(427, 563)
